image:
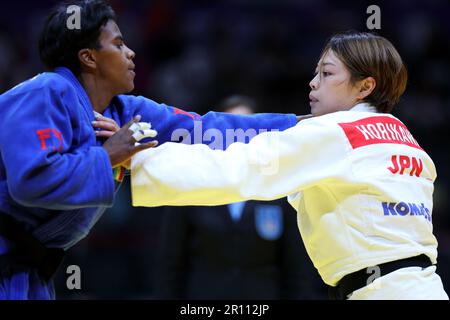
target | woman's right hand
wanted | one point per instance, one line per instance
(121, 145)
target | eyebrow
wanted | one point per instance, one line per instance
(324, 64)
(118, 37)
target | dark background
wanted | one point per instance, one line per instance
(192, 54)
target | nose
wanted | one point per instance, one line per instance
(130, 54)
(314, 83)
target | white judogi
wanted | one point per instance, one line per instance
(361, 184)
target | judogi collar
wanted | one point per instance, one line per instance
(364, 107)
(69, 76)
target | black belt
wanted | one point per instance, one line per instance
(364, 277)
(27, 252)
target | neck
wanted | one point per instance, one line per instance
(364, 106)
(99, 94)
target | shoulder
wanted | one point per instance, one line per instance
(147, 108)
(127, 100)
(332, 127)
(43, 82)
(344, 116)
(336, 120)
(328, 123)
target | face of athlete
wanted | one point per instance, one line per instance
(114, 60)
(331, 89)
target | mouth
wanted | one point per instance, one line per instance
(312, 98)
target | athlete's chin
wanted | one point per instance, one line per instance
(128, 81)
(129, 87)
(319, 109)
(314, 109)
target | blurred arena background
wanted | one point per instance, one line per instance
(192, 54)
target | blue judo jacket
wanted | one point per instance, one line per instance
(55, 177)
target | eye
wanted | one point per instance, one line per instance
(326, 74)
(120, 45)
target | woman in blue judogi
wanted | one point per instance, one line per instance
(56, 177)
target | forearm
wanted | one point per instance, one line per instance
(177, 174)
(271, 166)
(82, 179)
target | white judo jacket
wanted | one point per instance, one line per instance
(359, 181)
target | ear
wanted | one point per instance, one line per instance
(366, 87)
(87, 58)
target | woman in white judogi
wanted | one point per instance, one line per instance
(360, 182)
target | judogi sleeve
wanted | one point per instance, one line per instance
(177, 125)
(42, 166)
(271, 166)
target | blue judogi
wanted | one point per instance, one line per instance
(56, 179)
